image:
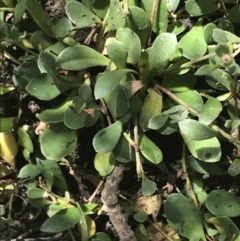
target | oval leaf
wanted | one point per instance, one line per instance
(223, 203)
(149, 149)
(80, 57)
(183, 216)
(61, 221)
(65, 141)
(104, 163)
(106, 139)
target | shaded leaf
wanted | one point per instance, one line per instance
(6, 124)
(61, 221)
(65, 141)
(227, 203)
(24, 140)
(183, 216)
(234, 168)
(148, 187)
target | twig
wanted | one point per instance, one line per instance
(154, 7)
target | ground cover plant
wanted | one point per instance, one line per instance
(120, 120)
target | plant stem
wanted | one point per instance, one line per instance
(231, 139)
(189, 185)
(153, 12)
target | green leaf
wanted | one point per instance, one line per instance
(44, 88)
(65, 141)
(39, 202)
(56, 114)
(183, 216)
(210, 111)
(234, 14)
(101, 8)
(178, 83)
(231, 108)
(141, 233)
(101, 237)
(133, 46)
(49, 180)
(152, 106)
(54, 208)
(116, 18)
(172, 5)
(234, 168)
(206, 69)
(200, 7)
(80, 57)
(80, 15)
(221, 36)
(149, 149)
(226, 226)
(192, 98)
(166, 44)
(19, 11)
(223, 203)
(157, 121)
(4, 90)
(118, 53)
(63, 27)
(29, 170)
(148, 187)
(208, 150)
(104, 163)
(177, 113)
(61, 221)
(138, 22)
(40, 16)
(24, 140)
(118, 101)
(106, 139)
(6, 124)
(194, 130)
(35, 193)
(195, 37)
(140, 217)
(107, 82)
(205, 168)
(208, 31)
(160, 21)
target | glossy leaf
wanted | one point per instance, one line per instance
(40, 16)
(210, 111)
(227, 203)
(106, 139)
(152, 106)
(80, 57)
(139, 22)
(200, 7)
(65, 141)
(133, 47)
(195, 37)
(104, 163)
(80, 15)
(183, 216)
(61, 221)
(149, 149)
(107, 82)
(208, 150)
